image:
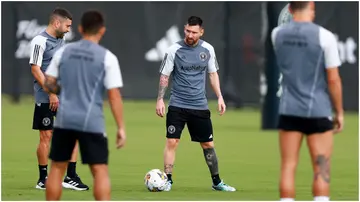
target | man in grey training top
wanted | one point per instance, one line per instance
(308, 59)
(82, 72)
(43, 47)
(188, 61)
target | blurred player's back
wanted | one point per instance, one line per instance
(82, 73)
(300, 48)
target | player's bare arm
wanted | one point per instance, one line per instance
(116, 104)
(163, 84)
(40, 78)
(51, 85)
(38, 75)
(335, 89)
(215, 84)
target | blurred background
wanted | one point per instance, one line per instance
(138, 33)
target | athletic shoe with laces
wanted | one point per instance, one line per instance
(74, 183)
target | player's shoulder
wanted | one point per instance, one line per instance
(276, 30)
(174, 47)
(39, 40)
(325, 33)
(110, 57)
(207, 45)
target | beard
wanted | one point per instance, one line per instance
(191, 41)
(60, 34)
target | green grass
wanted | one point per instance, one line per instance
(248, 158)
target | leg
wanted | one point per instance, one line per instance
(211, 161)
(320, 147)
(101, 182)
(71, 170)
(201, 130)
(290, 143)
(169, 156)
(42, 156)
(175, 123)
(43, 122)
(94, 152)
(62, 145)
(53, 184)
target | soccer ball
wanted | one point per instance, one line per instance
(155, 180)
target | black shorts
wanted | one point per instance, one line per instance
(43, 117)
(306, 126)
(198, 123)
(93, 146)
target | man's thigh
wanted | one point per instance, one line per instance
(43, 117)
(93, 148)
(175, 122)
(62, 144)
(307, 126)
(200, 126)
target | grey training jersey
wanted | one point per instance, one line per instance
(85, 71)
(304, 51)
(43, 47)
(188, 66)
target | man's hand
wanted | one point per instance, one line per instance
(339, 123)
(221, 106)
(54, 102)
(120, 138)
(160, 108)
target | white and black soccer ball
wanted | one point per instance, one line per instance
(155, 180)
(285, 16)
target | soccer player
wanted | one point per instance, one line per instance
(43, 47)
(82, 72)
(308, 59)
(189, 61)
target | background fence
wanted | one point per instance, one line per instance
(139, 32)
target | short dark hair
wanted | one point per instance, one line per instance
(194, 20)
(62, 12)
(298, 5)
(92, 21)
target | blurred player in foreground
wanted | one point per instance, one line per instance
(82, 72)
(308, 59)
(189, 61)
(43, 47)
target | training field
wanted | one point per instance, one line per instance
(248, 158)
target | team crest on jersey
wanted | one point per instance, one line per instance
(203, 56)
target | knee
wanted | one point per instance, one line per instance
(207, 145)
(99, 170)
(289, 167)
(45, 137)
(172, 143)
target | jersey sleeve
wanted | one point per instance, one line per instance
(329, 45)
(53, 68)
(113, 77)
(213, 65)
(167, 64)
(38, 45)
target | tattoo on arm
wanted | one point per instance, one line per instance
(51, 85)
(324, 168)
(168, 168)
(163, 84)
